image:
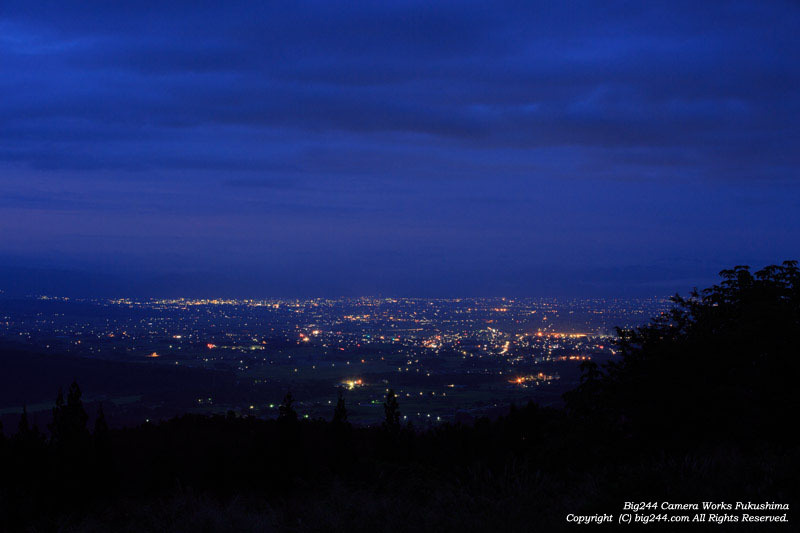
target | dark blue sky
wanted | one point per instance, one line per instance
(410, 148)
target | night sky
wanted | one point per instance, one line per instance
(408, 148)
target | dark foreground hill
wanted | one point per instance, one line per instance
(27, 377)
(701, 407)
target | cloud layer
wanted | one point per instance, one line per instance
(498, 136)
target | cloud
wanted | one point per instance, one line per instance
(537, 121)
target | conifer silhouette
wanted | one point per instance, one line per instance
(391, 410)
(286, 412)
(340, 412)
(23, 428)
(69, 418)
(100, 424)
(76, 413)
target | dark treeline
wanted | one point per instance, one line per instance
(701, 406)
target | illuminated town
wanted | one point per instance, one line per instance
(445, 358)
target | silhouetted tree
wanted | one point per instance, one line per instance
(720, 362)
(391, 411)
(582, 399)
(77, 413)
(286, 412)
(23, 427)
(68, 427)
(28, 441)
(56, 425)
(100, 425)
(340, 412)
